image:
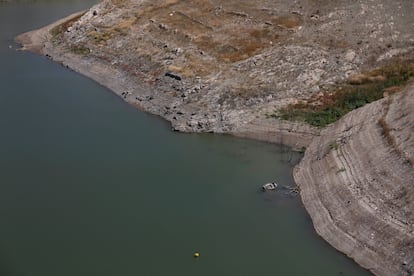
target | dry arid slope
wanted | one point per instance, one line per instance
(234, 61)
(225, 66)
(357, 183)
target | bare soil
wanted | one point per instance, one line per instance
(216, 66)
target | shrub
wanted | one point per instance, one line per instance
(80, 50)
(320, 112)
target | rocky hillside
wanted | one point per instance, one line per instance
(209, 65)
(357, 183)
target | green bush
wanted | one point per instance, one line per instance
(80, 50)
(350, 97)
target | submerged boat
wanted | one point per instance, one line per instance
(269, 186)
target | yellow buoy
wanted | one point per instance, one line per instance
(196, 255)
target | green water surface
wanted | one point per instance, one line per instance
(91, 186)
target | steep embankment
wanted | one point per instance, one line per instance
(296, 135)
(357, 183)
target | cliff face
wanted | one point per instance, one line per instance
(357, 183)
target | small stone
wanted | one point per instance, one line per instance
(350, 56)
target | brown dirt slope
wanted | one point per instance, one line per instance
(234, 61)
(357, 183)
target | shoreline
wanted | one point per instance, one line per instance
(293, 134)
(357, 187)
(313, 178)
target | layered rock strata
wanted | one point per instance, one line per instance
(357, 183)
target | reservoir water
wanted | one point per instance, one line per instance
(91, 186)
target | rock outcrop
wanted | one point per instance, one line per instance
(357, 183)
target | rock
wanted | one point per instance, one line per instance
(381, 223)
(174, 76)
(350, 56)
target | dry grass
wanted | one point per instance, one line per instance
(126, 23)
(119, 3)
(79, 49)
(231, 51)
(290, 21)
(215, 33)
(158, 6)
(334, 43)
(106, 33)
(100, 37)
(387, 133)
(325, 108)
(57, 31)
(193, 66)
(228, 36)
(237, 47)
(185, 23)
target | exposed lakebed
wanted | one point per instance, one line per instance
(91, 186)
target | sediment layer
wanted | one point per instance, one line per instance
(357, 183)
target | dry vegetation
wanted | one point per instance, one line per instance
(387, 132)
(325, 108)
(300, 49)
(57, 31)
(105, 33)
(221, 33)
(208, 27)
